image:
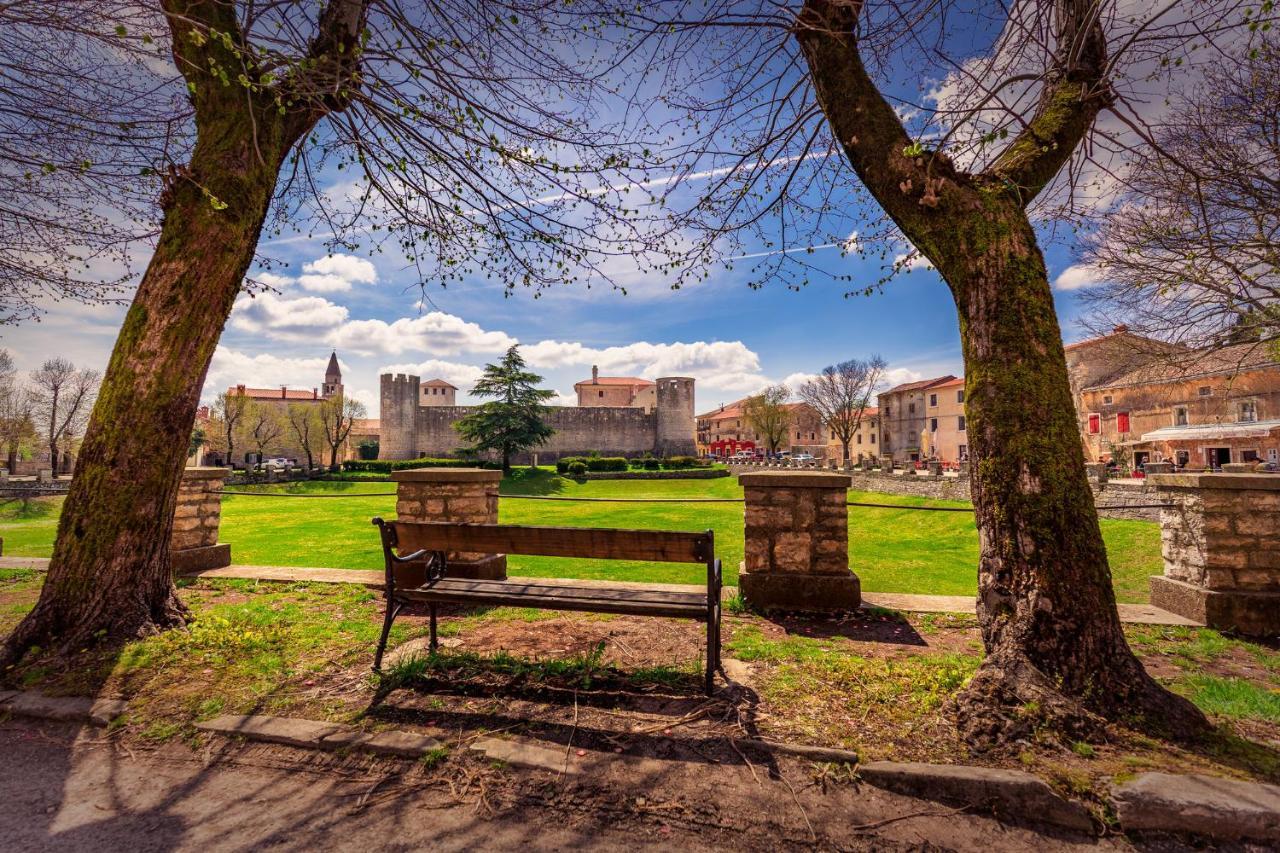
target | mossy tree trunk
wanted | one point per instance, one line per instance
(1056, 653)
(110, 576)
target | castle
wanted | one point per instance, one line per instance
(650, 417)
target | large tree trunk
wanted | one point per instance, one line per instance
(110, 576)
(1046, 604)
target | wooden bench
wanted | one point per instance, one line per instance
(419, 572)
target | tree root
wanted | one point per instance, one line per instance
(1010, 700)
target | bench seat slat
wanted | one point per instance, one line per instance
(680, 605)
(659, 546)
(571, 590)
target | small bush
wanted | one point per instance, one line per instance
(563, 463)
(680, 462)
(577, 468)
(607, 463)
(651, 464)
(368, 450)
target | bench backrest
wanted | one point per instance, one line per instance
(658, 546)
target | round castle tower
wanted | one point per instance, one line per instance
(676, 431)
(398, 416)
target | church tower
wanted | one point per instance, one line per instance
(332, 378)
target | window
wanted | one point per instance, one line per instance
(859, 438)
(911, 408)
(1205, 391)
(1248, 456)
(1122, 422)
(933, 399)
(873, 438)
(601, 393)
(1095, 424)
(887, 411)
(1180, 416)
(960, 396)
(1247, 411)
(1182, 458)
(812, 437)
(933, 424)
(961, 425)
(1106, 400)
(964, 453)
(797, 435)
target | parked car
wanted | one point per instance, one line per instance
(745, 454)
(279, 463)
(803, 457)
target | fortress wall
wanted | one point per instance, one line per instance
(609, 430)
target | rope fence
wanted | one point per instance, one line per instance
(968, 508)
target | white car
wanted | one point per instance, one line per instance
(745, 454)
(803, 457)
(279, 463)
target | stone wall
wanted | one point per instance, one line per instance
(196, 519)
(608, 430)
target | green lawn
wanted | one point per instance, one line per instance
(891, 550)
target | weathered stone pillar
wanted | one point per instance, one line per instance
(935, 468)
(467, 495)
(1221, 548)
(44, 475)
(886, 464)
(797, 542)
(1096, 472)
(194, 546)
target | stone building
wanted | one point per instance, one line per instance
(865, 443)
(628, 391)
(945, 421)
(409, 430)
(1199, 409)
(437, 392)
(905, 414)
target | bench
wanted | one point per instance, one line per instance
(417, 571)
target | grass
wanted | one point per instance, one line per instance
(892, 550)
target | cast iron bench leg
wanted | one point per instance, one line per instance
(393, 610)
(432, 647)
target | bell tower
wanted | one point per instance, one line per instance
(332, 378)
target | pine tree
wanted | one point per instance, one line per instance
(512, 421)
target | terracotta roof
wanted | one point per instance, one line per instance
(366, 426)
(919, 386)
(439, 383)
(273, 393)
(959, 380)
(615, 380)
(1226, 361)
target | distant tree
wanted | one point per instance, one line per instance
(768, 416)
(841, 394)
(304, 423)
(337, 416)
(1192, 253)
(513, 421)
(16, 424)
(228, 412)
(264, 424)
(198, 440)
(63, 397)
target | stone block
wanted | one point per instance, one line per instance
(283, 730)
(1223, 809)
(523, 754)
(806, 592)
(189, 561)
(1009, 793)
(1254, 613)
(397, 743)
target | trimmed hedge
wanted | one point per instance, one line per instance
(592, 463)
(577, 468)
(602, 464)
(386, 466)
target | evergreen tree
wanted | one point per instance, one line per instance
(512, 420)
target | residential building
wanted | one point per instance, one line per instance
(1198, 409)
(865, 443)
(945, 421)
(904, 416)
(727, 429)
(626, 391)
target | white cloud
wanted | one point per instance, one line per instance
(899, 375)
(336, 274)
(436, 333)
(303, 318)
(699, 359)
(231, 367)
(912, 261)
(462, 375)
(1078, 276)
(795, 380)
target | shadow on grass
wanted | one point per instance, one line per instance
(532, 481)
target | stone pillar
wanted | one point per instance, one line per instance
(886, 464)
(1096, 472)
(44, 475)
(964, 467)
(1221, 547)
(797, 542)
(194, 546)
(467, 495)
(935, 468)
(909, 467)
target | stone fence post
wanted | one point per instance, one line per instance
(467, 495)
(194, 545)
(1096, 472)
(886, 464)
(1221, 547)
(797, 542)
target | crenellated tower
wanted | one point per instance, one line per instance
(398, 412)
(676, 428)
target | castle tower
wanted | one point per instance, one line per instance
(676, 430)
(397, 416)
(332, 378)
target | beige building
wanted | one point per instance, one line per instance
(437, 392)
(905, 415)
(629, 391)
(865, 443)
(945, 424)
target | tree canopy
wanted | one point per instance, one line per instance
(512, 421)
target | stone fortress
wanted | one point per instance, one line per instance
(615, 416)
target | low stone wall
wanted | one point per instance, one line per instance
(924, 486)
